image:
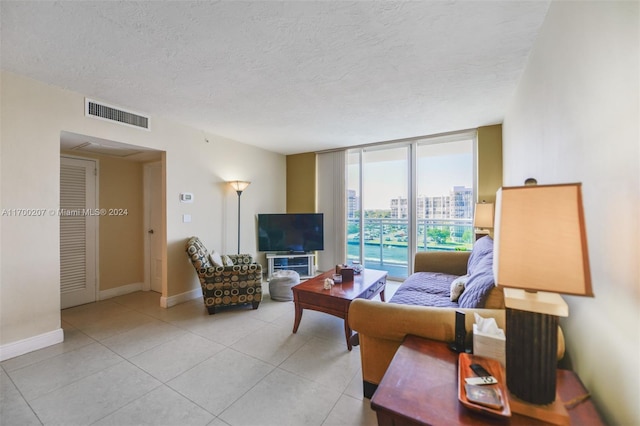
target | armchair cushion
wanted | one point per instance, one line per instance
(215, 258)
(198, 254)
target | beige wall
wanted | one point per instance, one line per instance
(30, 168)
(575, 118)
(489, 162)
(301, 183)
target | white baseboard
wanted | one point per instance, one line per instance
(167, 302)
(119, 291)
(21, 347)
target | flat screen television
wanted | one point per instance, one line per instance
(291, 232)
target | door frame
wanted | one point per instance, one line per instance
(146, 202)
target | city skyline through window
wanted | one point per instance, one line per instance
(398, 220)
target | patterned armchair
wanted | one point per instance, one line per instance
(238, 283)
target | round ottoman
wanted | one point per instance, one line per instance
(280, 285)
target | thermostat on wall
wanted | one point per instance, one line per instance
(186, 197)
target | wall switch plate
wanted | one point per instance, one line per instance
(186, 197)
(186, 218)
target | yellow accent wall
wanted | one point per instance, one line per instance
(489, 162)
(121, 236)
(301, 183)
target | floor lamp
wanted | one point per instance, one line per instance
(239, 186)
(540, 251)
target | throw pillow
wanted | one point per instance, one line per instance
(457, 287)
(477, 289)
(215, 259)
(482, 251)
(227, 260)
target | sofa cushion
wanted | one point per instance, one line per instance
(482, 249)
(481, 279)
(426, 289)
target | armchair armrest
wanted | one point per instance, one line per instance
(224, 273)
(241, 259)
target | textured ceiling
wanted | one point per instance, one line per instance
(290, 77)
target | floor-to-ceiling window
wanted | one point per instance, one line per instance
(409, 196)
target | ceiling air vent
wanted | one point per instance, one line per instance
(107, 112)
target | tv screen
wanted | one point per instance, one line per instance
(291, 232)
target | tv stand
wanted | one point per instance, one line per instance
(302, 263)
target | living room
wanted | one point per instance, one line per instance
(572, 118)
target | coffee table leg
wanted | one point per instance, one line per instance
(296, 323)
(382, 295)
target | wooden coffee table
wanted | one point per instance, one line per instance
(311, 294)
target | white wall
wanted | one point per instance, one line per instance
(33, 115)
(575, 118)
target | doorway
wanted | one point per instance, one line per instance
(122, 263)
(78, 231)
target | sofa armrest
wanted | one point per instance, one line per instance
(449, 262)
(394, 321)
(383, 326)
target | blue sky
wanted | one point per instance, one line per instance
(386, 177)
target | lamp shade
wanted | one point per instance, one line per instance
(540, 239)
(239, 185)
(483, 217)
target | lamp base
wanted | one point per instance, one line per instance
(554, 413)
(532, 355)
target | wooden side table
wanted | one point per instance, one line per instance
(420, 387)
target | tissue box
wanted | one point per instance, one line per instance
(345, 271)
(488, 345)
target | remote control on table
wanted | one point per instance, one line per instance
(484, 377)
(479, 370)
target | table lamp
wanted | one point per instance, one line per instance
(540, 251)
(483, 217)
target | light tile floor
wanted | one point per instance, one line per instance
(126, 361)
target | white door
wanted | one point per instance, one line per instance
(153, 225)
(78, 231)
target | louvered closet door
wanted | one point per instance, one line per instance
(77, 232)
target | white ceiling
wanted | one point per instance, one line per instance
(287, 76)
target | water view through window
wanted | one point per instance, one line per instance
(389, 218)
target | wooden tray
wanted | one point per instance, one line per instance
(493, 367)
